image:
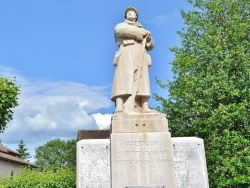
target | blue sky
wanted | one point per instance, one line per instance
(61, 53)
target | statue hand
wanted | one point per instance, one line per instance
(139, 37)
(148, 35)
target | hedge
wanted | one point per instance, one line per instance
(63, 178)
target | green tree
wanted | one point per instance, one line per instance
(57, 154)
(23, 150)
(8, 100)
(209, 96)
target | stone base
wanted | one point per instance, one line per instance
(142, 160)
(189, 162)
(139, 122)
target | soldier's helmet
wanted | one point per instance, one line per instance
(131, 8)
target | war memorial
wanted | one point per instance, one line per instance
(137, 151)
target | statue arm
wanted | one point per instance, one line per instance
(126, 31)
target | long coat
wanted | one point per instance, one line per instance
(129, 58)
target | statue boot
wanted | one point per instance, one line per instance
(144, 105)
(119, 104)
(145, 108)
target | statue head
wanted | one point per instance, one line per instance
(133, 9)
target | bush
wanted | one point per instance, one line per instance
(63, 178)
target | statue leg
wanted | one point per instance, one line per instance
(119, 104)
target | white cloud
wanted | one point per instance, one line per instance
(158, 20)
(50, 109)
(103, 120)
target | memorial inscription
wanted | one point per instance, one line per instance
(94, 166)
(142, 152)
(190, 163)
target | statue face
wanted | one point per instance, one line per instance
(131, 15)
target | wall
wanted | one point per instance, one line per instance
(7, 167)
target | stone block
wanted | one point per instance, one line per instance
(138, 122)
(142, 159)
(190, 162)
(93, 163)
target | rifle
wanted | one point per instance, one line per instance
(130, 103)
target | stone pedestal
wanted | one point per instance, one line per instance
(141, 151)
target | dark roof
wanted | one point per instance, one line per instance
(8, 151)
(93, 134)
(9, 155)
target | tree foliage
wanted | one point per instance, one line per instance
(210, 93)
(23, 150)
(56, 154)
(63, 178)
(8, 100)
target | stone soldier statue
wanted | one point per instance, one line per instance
(131, 87)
